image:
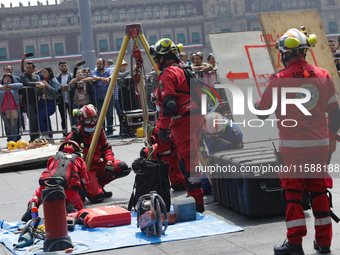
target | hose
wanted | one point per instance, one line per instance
(32, 250)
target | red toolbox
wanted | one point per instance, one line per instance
(105, 216)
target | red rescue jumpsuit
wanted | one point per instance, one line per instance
(186, 124)
(97, 174)
(72, 193)
(304, 146)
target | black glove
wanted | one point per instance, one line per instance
(28, 214)
(109, 169)
(163, 135)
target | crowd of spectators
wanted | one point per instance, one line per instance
(38, 93)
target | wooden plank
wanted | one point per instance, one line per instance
(277, 23)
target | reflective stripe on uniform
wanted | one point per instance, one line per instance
(303, 143)
(333, 99)
(296, 223)
(194, 179)
(322, 221)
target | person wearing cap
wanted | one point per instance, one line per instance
(180, 111)
(69, 165)
(305, 144)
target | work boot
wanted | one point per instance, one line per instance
(288, 248)
(28, 214)
(107, 194)
(321, 249)
(197, 194)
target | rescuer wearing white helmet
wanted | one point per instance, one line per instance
(305, 144)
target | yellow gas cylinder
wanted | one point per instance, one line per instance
(22, 144)
(140, 132)
(12, 145)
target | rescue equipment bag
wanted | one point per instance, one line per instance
(62, 166)
(151, 175)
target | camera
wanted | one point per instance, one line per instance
(81, 63)
(82, 75)
(29, 54)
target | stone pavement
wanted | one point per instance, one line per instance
(259, 236)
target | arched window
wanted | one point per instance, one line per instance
(140, 14)
(105, 16)
(173, 11)
(35, 22)
(16, 23)
(189, 9)
(27, 23)
(70, 19)
(44, 20)
(97, 17)
(148, 13)
(53, 20)
(122, 15)
(8, 22)
(62, 20)
(132, 15)
(182, 10)
(166, 12)
(115, 16)
(156, 13)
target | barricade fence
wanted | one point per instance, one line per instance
(39, 116)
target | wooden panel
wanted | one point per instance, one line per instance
(277, 23)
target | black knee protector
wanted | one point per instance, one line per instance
(317, 213)
(124, 170)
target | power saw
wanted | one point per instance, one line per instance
(149, 214)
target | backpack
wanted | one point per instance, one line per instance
(151, 175)
(63, 167)
(80, 95)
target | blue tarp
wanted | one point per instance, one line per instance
(117, 237)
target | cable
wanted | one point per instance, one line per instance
(32, 250)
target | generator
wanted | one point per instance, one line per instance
(131, 120)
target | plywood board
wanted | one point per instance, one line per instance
(277, 23)
(243, 61)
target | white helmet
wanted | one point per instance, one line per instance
(294, 39)
(214, 122)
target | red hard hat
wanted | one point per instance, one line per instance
(88, 116)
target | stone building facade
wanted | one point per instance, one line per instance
(52, 31)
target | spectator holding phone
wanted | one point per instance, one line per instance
(9, 101)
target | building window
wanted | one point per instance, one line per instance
(182, 11)
(103, 45)
(226, 30)
(62, 20)
(119, 42)
(333, 27)
(181, 38)
(330, 2)
(44, 50)
(97, 17)
(152, 39)
(156, 13)
(44, 21)
(173, 11)
(27, 23)
(105, 16)
(30, 49)
(195, 37)
(122, 15)
(166, 12)
(70, 19)
(189, 10)
(59, 48)
(3, 53)
(224, 9)
(16, 23)
(167, 36)
(148, 13)
(139, 14)
(8, 24)
(132, 15)
(53, 20)
(256, 29)
(115, 16)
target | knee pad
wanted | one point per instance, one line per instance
(124, 170)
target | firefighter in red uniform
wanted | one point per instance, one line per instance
(77, 178)
(166, 151)
(304, 139)
(181, 113)
(104, 167)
